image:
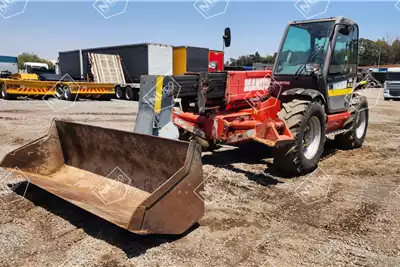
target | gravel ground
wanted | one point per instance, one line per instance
(347, 213)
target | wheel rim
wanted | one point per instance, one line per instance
(361, 123)
(311, 138)
(66, 92)
(118, 92)
(128, 93)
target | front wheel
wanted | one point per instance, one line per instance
(4, 93)
(307, 123)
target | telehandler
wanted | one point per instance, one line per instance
(308, 95)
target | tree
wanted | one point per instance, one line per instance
(385, 51)
(249, 60)
(31, 57)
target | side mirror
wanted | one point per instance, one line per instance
(345, 29)
(227, 37)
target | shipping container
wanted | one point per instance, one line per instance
(190, 59)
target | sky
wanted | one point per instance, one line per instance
(48, 27)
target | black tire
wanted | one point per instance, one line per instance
(59, 92)
(4, 94)
(131, 94)
(68, 95)
(119, 92)
(298, 114)
(359, 114)
(386, 98)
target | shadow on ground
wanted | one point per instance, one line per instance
(255, 153)
(132, 244)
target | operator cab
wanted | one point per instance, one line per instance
(321, 55)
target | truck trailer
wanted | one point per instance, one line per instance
(197, 59)
(35, 81)
(137, 60)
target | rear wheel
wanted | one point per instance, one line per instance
(59, 91)
(128, 93)
(131, 94)
(119, 92)
(358, 124)
(307, 122)
(68, 95)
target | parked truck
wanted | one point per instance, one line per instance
(136, 59)
(8, 65)
(392, 84)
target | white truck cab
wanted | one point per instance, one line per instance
(34, 67)
(392, 84)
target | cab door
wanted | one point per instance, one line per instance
(342, 71)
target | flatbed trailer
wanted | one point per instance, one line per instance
(30, 85)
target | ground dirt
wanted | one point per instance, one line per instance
(347, 213)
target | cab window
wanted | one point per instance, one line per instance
(345, 55)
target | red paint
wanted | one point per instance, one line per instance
(336, 121)
(216, 57)
(238, 92)
(259, 123)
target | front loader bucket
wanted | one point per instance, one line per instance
(143, 183)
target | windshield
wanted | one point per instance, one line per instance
(304, 43)
(393, 76)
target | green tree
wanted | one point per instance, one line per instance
(32, 57)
